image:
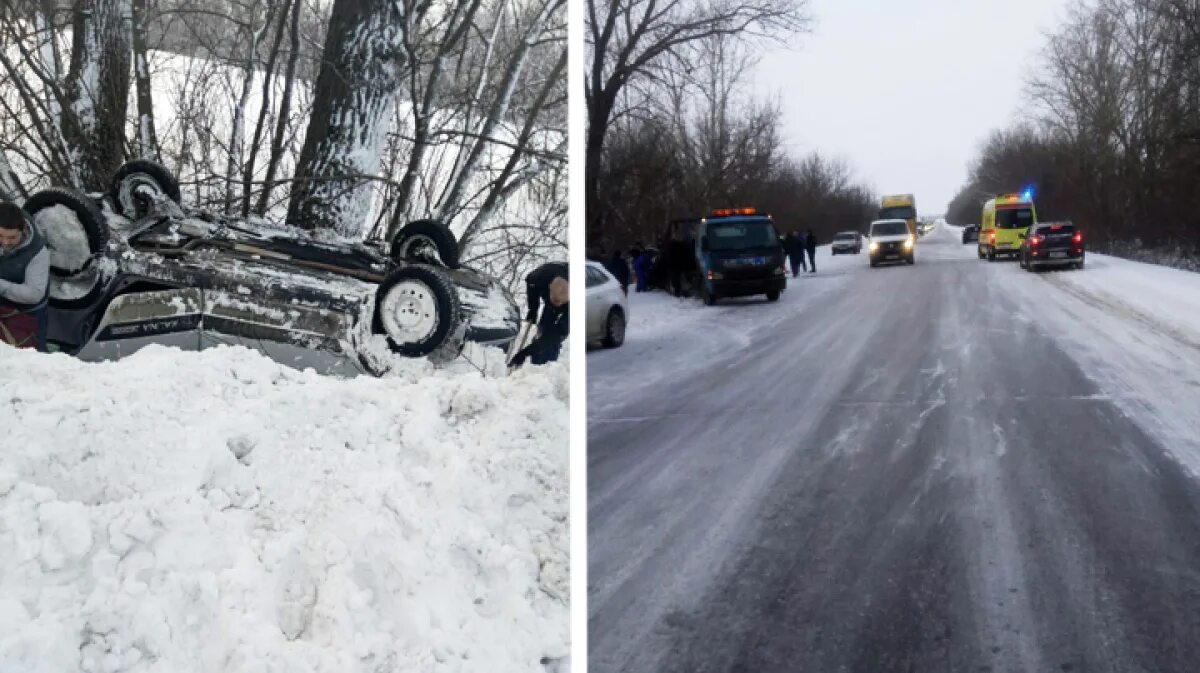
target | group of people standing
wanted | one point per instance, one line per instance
(796, 245)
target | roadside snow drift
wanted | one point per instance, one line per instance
(216, 511)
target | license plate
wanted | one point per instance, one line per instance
(1058, 254)
(893, 256)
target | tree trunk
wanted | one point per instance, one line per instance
(235, 160)
(147, 136)
(11, 188)
(98, 89)
(599, 112)
(356, 93)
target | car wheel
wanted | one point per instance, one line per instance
(417, 309)
(773, 295)
(1079, 264)
(136, 185)
(709, 298)
(614, 329)
(911, 259)
(991, 255)
(426, 241)
(75, 233)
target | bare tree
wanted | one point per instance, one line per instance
(628, 38)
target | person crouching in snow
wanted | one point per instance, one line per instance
(24, 278)
(547, 286)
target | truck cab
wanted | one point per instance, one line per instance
(900, 207)
(738, 254)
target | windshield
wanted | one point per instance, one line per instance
(741, 235)
(1014, 218)
(893, 228)
(1056, 228)
(898, 213)
(847, 237)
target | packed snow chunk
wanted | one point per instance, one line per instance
(65, 236)
(214, 511)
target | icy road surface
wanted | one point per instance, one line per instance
(953, 466)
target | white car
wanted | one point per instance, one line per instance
(607, 307)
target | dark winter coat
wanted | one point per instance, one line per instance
(17, 290)
(810, 243)
(555, 320)
(794, 245)
(619, 268)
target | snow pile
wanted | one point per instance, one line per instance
(216, 511)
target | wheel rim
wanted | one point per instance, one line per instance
(616, 328)
(410, 312)
(137, 194)
(419, 246)
(66, 239)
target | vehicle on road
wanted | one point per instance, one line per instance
(607, 307)
(900, 207)
(970, 234)
(847, 242)
(891, 241)
(1052, 244)
(738, 254)
(1004, 223)
(136, 267)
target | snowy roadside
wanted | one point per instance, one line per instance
(217, 511)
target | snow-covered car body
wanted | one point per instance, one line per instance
(193, 280)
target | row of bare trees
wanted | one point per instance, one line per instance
(674, 131)
(1113, 139)
(355, 116)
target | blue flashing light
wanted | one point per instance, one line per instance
(1027, 195)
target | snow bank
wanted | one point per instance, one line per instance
(216, 511)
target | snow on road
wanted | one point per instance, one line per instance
(216, 511)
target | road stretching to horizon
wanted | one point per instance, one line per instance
(892, 469)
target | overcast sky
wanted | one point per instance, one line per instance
(905, 90)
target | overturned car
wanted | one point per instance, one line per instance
(135, 266)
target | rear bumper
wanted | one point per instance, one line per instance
(747, 287)
(1048, 258)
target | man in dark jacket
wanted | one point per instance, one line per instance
(794, 246)
(810, 243)
(24, 278)
(680, 260)
(547, 289)
(619, 268)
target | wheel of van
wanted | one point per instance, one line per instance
(417, 309)
(614, 328)
(911, 259)
(426, 241)
(991, 255)
(773, 295)
(709, 298)
(76, 234)
(135, 184)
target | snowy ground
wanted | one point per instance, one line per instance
(216, 511)
(952, 466)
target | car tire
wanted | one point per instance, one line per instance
(407, 301)
(911, 259)
(710, 299)
(136, 173)
(614, 328)
(1079, 264)
(772, 295)
(991, 255)
(92, 226)
(426, 241)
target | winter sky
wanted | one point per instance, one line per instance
(906, 90)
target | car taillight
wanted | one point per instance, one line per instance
(1034, 240)
(992, 237)
(1078, 237)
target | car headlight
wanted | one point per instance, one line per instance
(873, 247)
(715, 275)
(908, 243)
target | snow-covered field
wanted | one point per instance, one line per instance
(216, 511)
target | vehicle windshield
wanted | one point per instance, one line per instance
(892, 228)
(1014, 218)
(741, 235)
(847, 237)
(898, 213)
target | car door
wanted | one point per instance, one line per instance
(597, 303)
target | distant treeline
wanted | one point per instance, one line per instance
(1112, 136)
(695, 140)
